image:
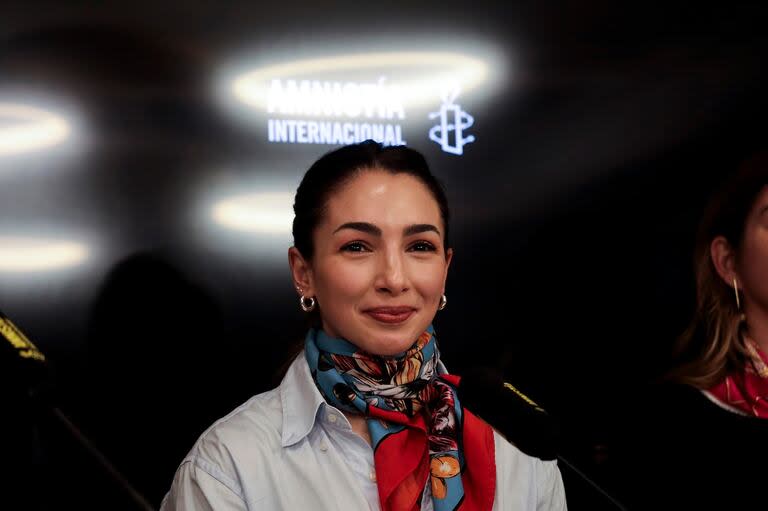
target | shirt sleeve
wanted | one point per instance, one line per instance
(199, 487)
(551, 492)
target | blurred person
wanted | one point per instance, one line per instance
(150, 329)
(698, 437)
(367, 416)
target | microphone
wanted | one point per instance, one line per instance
(23, 347)
(518, 418)
(24, 367)
(27, 366)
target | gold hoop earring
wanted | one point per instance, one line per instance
(307, 307)
(443, 303)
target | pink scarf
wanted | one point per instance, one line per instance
(746, 390)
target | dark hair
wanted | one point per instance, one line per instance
(712, 344)
(335, 168)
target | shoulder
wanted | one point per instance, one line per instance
(260, 415)
(255, 423)
(243, 440)
(512, 462)
(519, 475)
(686, 404)
(695, 438)
(252, 430)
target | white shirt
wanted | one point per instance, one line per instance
(287, 449)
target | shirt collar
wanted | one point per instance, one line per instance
(300, 400)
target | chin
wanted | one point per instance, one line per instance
(391, 342)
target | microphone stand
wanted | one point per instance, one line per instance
(591, 483)
(25, 357)
(138, 499)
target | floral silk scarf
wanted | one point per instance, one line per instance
(746, 390)
(418, 427)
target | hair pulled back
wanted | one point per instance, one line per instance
(336, 168)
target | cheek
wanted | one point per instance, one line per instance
(428, 279)
(755, 262)
(343, 280)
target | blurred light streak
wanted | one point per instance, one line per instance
(418, 74)
(20, 254)
(25, 128)
(260, 212)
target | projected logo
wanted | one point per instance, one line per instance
(349, 112)
(343, 99)
(449, 133)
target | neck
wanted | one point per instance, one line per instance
(359, 425)
(757, 326)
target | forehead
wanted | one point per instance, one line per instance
(761, 202)
(762, 197)
(378, 196)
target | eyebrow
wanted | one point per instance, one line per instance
(419, 228)
(360, 226)
(369, 228)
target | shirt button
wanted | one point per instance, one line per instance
(332, 418)
(372, 475)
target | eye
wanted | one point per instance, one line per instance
(355, 246)
(422, 246)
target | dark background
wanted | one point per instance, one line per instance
(607, 127)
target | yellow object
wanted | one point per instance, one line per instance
(523, 397)
(19, 341)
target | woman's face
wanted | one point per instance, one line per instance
(752, 259)
(380, 263)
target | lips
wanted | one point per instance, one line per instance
(391, 315)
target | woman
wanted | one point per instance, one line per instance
(701, 437)
(366, 416)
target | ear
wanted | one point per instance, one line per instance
(448, 258)
(301, 272)
(724, 260)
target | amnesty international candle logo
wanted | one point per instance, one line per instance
(339, 113)
(449, 133)
(385, 96)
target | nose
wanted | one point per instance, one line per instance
(391, 277)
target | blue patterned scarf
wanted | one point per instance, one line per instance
(414, 416)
